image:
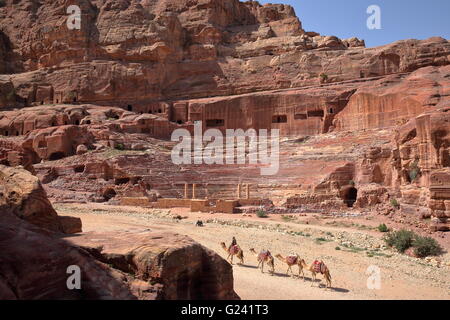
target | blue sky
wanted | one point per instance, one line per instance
(400, 19)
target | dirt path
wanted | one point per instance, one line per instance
(402, 277)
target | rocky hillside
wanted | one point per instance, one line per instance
(101, 102)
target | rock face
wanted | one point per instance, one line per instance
(170, 266)
(33, 266)
(134, 265)
(98, 103)
(141, 54)
(23, 194)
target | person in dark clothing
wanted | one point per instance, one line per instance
(233, 243)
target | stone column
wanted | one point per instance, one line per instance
(248, 191)
(186, 188)
(193, 191)
(239, 191)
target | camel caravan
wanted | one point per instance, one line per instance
(266, 257)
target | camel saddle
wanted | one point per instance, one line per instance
(235, 249)
(264, 255)
(292, 259)
(319, 267)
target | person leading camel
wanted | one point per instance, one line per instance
(292, 260)
(233, 250)
(318, 267)
(264, 257)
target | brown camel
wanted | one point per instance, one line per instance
(318, 267)
(263, 257)
(233, 251)
(293, 260)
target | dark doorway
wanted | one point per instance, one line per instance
(79, 169)
(119, 181)
(56, 156)
(279, 119)
(109, 194)
(350, 195)
(130, 107)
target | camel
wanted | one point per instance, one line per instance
(291, 261)
(263, 257)
(233, 251)
(318, 267)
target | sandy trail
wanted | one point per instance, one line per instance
(402, 277)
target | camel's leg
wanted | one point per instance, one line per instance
(300, 272)
(313, 279)
(262, 266)
(232, 258)
(287, 271)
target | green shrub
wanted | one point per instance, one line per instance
(120, 146)
(400, 240)
(426, 246)
(383, 228)
(337, 248)
(394, 203)
(323, 77)
(261, 213)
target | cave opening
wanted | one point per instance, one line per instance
(119, 181)
(279, 119)
(350, 195)
(109, 194)
(79, 169)
(56, 156)
(130, 107)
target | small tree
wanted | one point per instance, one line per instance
(120, 146)
(323, 77)
(261, 213)
(426, 246)
(394, 203)
(383, 228)
(401, 240)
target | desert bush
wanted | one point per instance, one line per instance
(394, 203)
(383, 228)
(323, 77)
(426, 246)
(120, 146)
(261, 213)
(400, 240)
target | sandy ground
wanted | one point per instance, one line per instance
(402, 277)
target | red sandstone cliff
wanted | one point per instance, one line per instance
(155, 66)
